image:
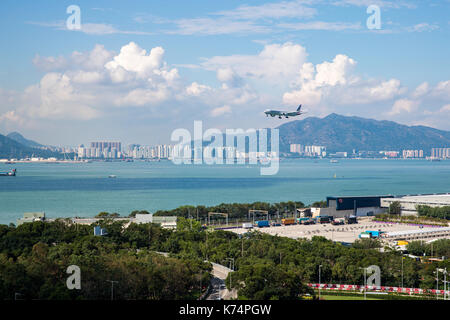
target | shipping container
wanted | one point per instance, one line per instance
(288, 221)
(262, 223)
(247, 225)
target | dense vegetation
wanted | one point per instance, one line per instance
(34, 258)
(438, 248)
(423, 220)
(434, 212)
(234, 210)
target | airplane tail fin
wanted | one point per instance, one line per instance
(299, 107)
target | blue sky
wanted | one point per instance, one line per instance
(137, 70)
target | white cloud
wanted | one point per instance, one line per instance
(210, 26)
(289, 9)
(89, 28)
(220, 111)
(423, 27)
(196, 89)
(320, 25)
(403, 105)
(135, 59)
(335, 83)
(275, 61)
(421, 90)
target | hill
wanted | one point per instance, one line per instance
(342, 133)
(22, 140)
(10, 148)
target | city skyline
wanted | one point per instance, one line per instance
(137, 72)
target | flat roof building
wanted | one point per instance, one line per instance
(345, 206)
(409, 203)
(31, 217)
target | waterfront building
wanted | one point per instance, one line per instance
(412, 154)
(409, 203)
(345, 206)
(440, 153)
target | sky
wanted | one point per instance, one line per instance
(134, 71)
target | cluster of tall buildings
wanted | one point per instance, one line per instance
(308, 151)
(412, 154)
(440, 153)
(105, 150)
(137, 151)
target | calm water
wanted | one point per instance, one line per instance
(65, 190)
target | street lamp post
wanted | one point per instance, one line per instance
(402, 272)
(112, 288)
(365, 282)
(320, 267)
(437, 283)
(232, 268)
(445, 284)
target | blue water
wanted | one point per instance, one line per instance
(84, 189)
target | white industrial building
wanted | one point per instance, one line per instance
(420, 234)
(409, 203)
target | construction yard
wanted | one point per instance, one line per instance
(342, 233)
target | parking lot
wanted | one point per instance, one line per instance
(342, 233)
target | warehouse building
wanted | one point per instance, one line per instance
(409, 203)
(31, 217)
(340, 207)
(420, 234)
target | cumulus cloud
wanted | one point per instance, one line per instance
(84, 85)
(275, 61)
(403, 105)
(220, 111)
(196, 89)
(336, 81)
(101, 83)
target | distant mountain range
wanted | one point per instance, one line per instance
(14, 145)
(335, 132)
(342, 133)
(21, 139)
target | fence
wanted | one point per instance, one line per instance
(353, 287)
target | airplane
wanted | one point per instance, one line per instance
(281, 114)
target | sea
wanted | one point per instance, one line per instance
(85, 189)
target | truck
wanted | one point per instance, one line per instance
(262, 223)
(324, 219)
(337, 222)
(374, 234)
(288, 221)
(247, 226)
(351, 220)
(305, 220)
(366, 235)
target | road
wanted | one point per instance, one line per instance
(219, 290)
(218, 287)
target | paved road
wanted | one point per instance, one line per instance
(219, 290)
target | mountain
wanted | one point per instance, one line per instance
(20, 139)
(342, 133)
(10, 148)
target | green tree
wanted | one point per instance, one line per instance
(395, 208)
